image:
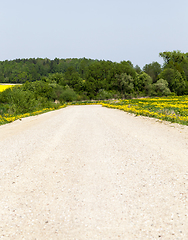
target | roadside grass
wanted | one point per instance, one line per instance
(6, 118)
(173, 109)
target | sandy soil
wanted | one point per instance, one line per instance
(87, 172)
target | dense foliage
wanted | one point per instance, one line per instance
(22, 70)
(30, 97)
(94, 79)
(44, 82)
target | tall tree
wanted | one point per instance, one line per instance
(176, 82)
(153, 69)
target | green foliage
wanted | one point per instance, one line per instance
(125, 67)
(161, 88)
(176, 64)
(103, 75)
(22, 101)
(5, 96)
(96, 76)
(143, 84)
(47, 81)
(103, 95)
(26, 98)
(39, 88)
(22, 70)
(137, 69)
(55, 78)
(67, 95)
(153, 70)
(18, 100)
(94, 79)
(173, 57)
(124, 84)
(175, 80)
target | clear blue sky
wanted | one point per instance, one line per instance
(113, 30)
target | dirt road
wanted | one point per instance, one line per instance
(87, 172)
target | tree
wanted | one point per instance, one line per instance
(143, 83)
(175, 60)
(161, 88)
(153, 70)
(90, 87)
(173, 57)
(175, 80)
(124, 83)
(137, 69)
(103, 95)
(97, 76)
(67, 95)
(56, 78)
(39, 88)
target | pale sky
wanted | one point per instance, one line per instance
(116, 30)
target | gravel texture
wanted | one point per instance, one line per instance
(87, 172)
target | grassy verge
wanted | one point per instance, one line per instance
(173, 109)
(6, 118)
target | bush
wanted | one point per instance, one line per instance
(26, 98)
(67, 95)
(39, 88)
(103, 94)
(22, 101)
(161, 88)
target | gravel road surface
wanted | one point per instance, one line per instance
(88, 172)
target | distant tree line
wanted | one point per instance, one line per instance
(22, 70)
(174, 71)
(98, 79)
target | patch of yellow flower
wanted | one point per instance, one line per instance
(8, 118)
(3, 87)
(174, 109)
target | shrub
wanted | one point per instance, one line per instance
(39, 88)
(103, 94)
(161, 88)
(67, 95)
(22, 101)
(26, 98)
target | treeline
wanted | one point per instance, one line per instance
(22, 70)
(174, 71)
(99, 79)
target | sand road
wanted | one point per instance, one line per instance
(88, 172)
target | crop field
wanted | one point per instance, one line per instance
(3, 87)
(173, 109)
